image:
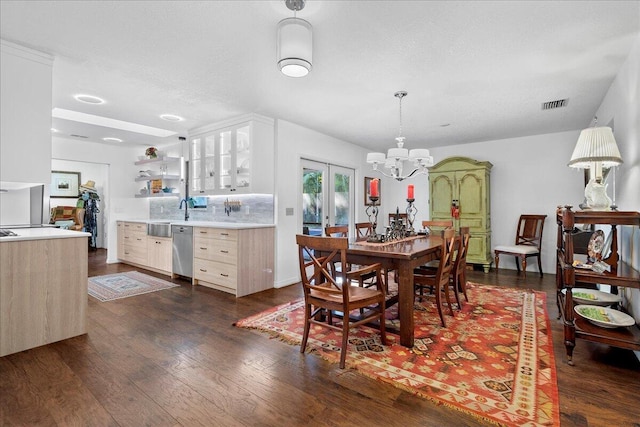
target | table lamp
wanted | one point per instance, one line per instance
(596, 148)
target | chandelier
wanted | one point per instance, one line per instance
(395, 158)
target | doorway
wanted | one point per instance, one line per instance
(327, 196)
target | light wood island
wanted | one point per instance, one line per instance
(43, 287)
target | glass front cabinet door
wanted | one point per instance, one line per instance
(220, 161)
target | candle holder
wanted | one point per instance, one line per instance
(372, 213)
(411, 216)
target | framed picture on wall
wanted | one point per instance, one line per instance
(65, 184)
(367, 190)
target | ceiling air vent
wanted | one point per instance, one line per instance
(79, 136)
(550, 105)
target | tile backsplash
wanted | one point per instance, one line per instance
(242, 208)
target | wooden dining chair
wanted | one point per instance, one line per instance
(528, 242)
(436, 225)
(363, 230)
(327, 292)
(439, 281)
(458, 277)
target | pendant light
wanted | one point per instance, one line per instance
(295, 42)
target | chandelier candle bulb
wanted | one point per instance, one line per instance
(410, 192)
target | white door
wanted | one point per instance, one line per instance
(327, 196)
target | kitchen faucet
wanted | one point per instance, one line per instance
(186, 202)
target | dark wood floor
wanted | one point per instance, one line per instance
(174, 358)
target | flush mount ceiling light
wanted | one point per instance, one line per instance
(110, 139)
(171, 118)
(89, 99)
(91, 119)
(395, 158)
(295, 42)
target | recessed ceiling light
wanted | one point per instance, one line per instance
(91, 119)
(109, 139)
(89, 99)
(54, 130)
(171, 118)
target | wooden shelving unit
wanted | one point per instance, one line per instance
(621, 275)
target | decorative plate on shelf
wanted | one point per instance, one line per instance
(604, 317)
(596, 244)
(593, 297)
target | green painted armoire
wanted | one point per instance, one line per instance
(464, 182)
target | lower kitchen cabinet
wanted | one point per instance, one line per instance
(159, 253)
(238, 261)
(135, 243)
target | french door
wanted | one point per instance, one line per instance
(327, 196)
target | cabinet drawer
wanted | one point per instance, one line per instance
(136, 240)
(215, 272)
(216, 233)
(135, 227)
(216, 250)
(135, 253)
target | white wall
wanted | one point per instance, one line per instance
(294, 142)
(25, 114)
(622, 105)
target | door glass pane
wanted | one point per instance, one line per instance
(195, 164)
(243, 157)
(341, 183)
(225, 160)
(312, 205)
(210, 166)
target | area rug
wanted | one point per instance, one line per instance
(123, 285)
(494, 360)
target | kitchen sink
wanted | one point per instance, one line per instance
(159, 229)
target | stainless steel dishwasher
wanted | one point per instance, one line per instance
(182, 250)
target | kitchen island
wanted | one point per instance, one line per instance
(43, 287)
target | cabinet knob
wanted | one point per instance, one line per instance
(204, 249)
(224, 275)
(224, 252)
(203, 270)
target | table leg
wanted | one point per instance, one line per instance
(405, 303)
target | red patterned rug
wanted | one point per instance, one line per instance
(494, 360)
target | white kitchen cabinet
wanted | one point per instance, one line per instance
(166, 170)
(233, 157)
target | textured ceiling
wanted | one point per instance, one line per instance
(483, 67)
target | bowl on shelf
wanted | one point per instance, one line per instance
(168, 189)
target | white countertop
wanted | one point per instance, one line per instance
(211, 224)
(42, 233)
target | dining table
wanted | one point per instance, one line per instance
(402, 255)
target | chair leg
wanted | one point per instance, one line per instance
(462, 281)
(307, 324)
(524, 266)
(497, 261)
(345, 340)
(448, 298)
(518, 264)
(383, 333)
(540, 264)
(454, 285)
(439, 304)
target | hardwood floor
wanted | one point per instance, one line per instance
(174, 358)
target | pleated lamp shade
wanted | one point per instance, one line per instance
(595, 145)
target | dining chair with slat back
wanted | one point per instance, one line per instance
(327, 292)
(441, 279)
(363, 230)
(436, 225)
(528, 242)
(459, 271)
